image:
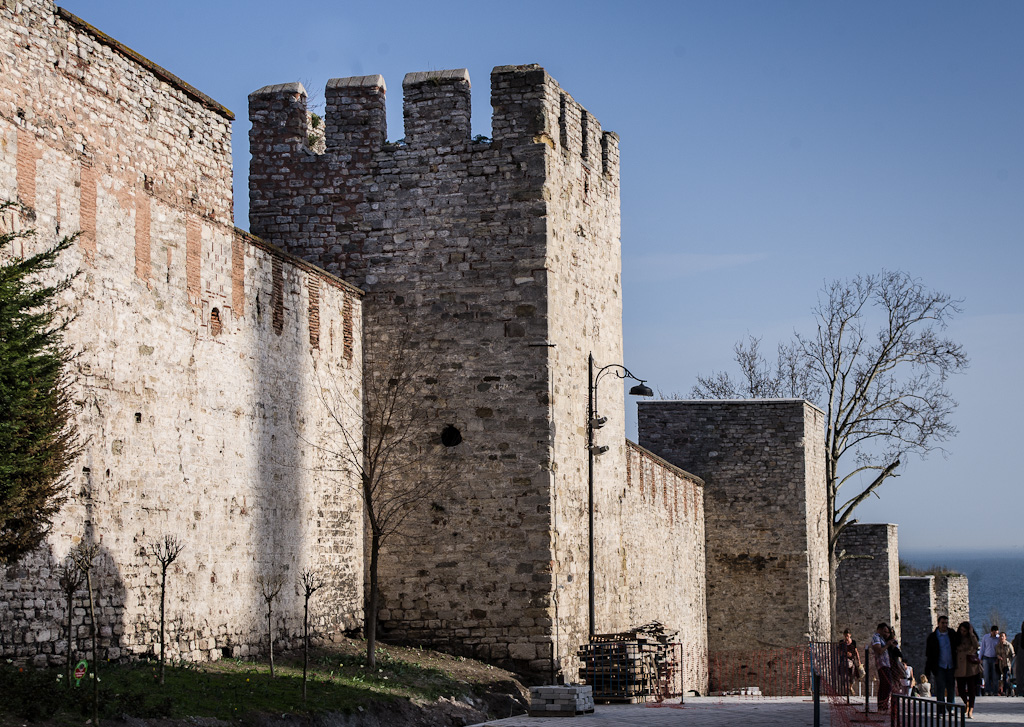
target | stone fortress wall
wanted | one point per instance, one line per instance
(503, 257)
(868, 585)
(202, 351)
(207, 354)
(764, 514)
(917, 612)
(923, 599)
(952, 598)
(662, 574)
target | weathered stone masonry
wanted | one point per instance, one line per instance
(952, 598)
(207, 355)
(199, 379)
(918, 617)
(868, 585)
(922, 600)
(662, 574)
(502, 256)
(763, 467)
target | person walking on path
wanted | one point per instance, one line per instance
(1004, 659)
(940, 661)
(1018, 647)
(989, 642)
(850, 667)
(968, 666)
(880, 648)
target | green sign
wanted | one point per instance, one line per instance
(80, 670)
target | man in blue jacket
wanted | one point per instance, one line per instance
(940, 661)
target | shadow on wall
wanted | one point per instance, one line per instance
(278, 548)
(37, 608)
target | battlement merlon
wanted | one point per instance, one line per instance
(437, 108)
(280, 121)
(530, 107)
(356, 114)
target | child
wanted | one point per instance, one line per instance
(924, 689)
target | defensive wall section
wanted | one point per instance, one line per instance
(202, 353)
(868, 583)
(917, 611)
(214, 366)
(662, 573)
(501, 256)
(923, 599)
(952, 598)
(762, 463)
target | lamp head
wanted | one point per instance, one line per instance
(641, 389)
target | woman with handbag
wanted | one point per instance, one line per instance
(968, 666)
(850, 668)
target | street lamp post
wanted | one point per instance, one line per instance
(594, 422)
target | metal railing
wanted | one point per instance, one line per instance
(920, 712)
(829, 675)
(828, 661)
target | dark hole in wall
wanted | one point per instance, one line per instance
(138, 417)
(215, 324)
(451, 436)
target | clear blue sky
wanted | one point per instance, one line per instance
(766, 147)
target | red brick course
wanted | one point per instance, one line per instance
(87, 210)
(28, 155)
(193, 261)
(143, 261)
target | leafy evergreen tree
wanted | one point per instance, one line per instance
(38, 436)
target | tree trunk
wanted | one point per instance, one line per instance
(71, 653)
(95, 661)
(371, 607)
(305, 646)
(833, 595)
(163, 593)
(270, 636)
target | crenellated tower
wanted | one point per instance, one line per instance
(503, 257)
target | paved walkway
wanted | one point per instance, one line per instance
(745, 712)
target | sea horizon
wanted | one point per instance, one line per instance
(995, 581)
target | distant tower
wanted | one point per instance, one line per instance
(503, 257)
(868, 585)
(762, 462)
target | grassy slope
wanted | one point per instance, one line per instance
(238, 690)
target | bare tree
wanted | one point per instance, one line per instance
(270, 587)
(69, 577)
(84, 557)
(309, 583)
(399, 459)
(883, 391)
(166, 552)
(793, 376)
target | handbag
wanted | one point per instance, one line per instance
(973, 659)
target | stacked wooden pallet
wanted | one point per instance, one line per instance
(632, 666)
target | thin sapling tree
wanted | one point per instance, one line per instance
(84, 557)
(69, 578)
(166, 552)
(270, 587)
(309, 583)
